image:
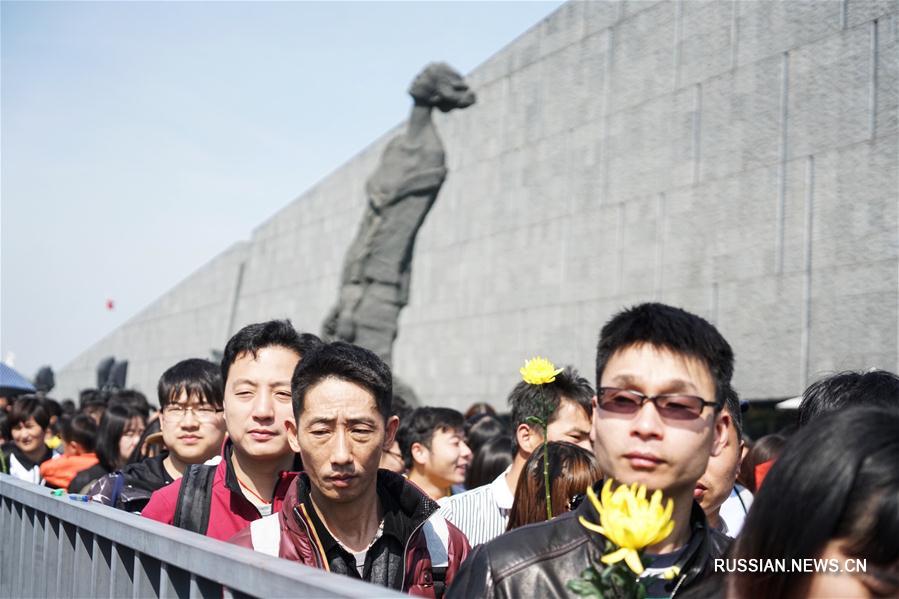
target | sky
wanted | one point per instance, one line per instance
(138, 140)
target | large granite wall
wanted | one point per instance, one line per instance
(738, 159)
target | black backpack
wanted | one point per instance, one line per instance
(195, 498)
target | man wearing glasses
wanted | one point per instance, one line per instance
(192, 428)
(662, 375)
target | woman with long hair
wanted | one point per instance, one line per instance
(571, 470)
(833, 494)
(121, 427)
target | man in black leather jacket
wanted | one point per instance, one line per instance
(662, 376)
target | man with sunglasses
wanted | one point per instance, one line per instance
(662, 374)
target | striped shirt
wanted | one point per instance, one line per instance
(483, 513)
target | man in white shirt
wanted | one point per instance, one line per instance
(483, 513)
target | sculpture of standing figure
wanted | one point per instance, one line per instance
(374, 285)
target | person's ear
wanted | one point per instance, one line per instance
(528, 438)
(393, 423)
(722, 424)
(420, 454)
(292, 435)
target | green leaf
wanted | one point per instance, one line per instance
(536, 421)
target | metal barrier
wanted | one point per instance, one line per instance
(55, 547)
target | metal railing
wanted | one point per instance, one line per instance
(55, 547)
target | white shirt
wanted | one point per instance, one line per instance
(483, 513)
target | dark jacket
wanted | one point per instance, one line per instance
(138, 481)
(229, 510)
(405, 557)
(86, 478)
(538, 560)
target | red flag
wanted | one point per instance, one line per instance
(110, 305)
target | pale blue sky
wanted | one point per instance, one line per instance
(139, 140)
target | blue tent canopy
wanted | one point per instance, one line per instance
(13, 383)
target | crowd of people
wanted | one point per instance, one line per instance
(300, 449)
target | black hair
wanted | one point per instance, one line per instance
(80, 429)
(491, 460)
(4, 427)
(253, 337)
(836, 479)
(133, 398)
(527, 400)
(844, 389)
(198, 379)
(346, 362)
(483, 428)
(28, 406)
(421, 426)
(52, 406)
(670, 328)
(112, 425)
(91, 397)
(732, 405)
(68, 407)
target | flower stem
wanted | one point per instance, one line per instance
(549, 505)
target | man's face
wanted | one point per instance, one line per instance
(28, 436)
(446, 461)
(572, 424)
(716, 484)
(192, 428)
(669, 455)
(340, 437)
(257, 402)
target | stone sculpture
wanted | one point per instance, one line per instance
(374, 284)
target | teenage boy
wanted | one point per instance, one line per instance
(193, 427)
(255, 471)
(28, 424)
(343, 514)
(432, 443)
(483, 513)
(662, 375)
(78, 434)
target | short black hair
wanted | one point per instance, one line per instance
(877, 388)
(28, 406)
(421, 426)
(81, 429)
(254, 337)
(132, 398)
(732, 405)
(526, 400)
(670, 328)
(91, 397)
(199, 379)
(346, 362)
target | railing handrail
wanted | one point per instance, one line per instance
(237, 568)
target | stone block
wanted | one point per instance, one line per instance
(741, 120)
(707, 46)
(767, 29)
(829, 92)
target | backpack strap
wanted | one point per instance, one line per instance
(195, 498)
(266, 535)
(118, 483)
(437, 538)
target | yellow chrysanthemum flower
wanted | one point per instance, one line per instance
(539, 371)
(629, 521)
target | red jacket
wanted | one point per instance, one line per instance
(229, 510)
(430, 543)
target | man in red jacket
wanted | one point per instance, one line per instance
(343, 514)
(254, 474)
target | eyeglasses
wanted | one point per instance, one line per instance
(670, 406)
(203, 413)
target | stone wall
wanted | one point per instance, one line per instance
(738, 159)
